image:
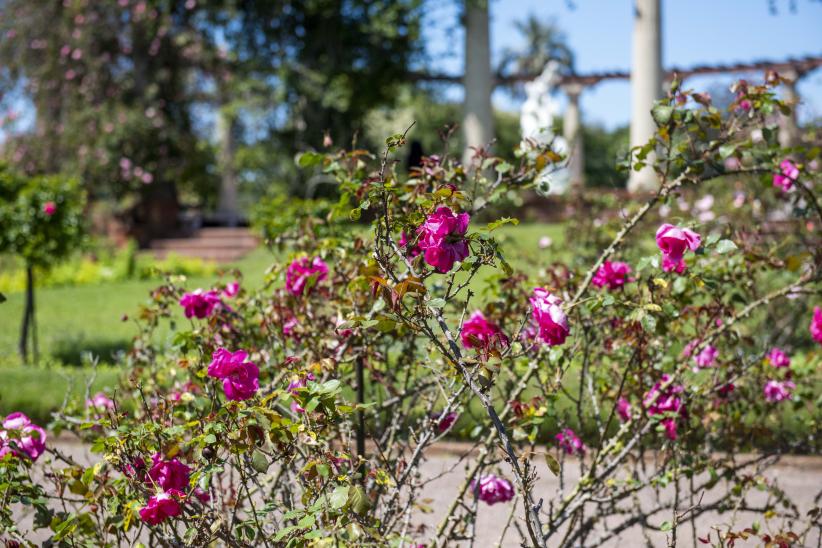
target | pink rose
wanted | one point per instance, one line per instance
(549, 316)
(161, 507)
(569, 442)
(674, 241)
(744, 104)
(445, 422)
(290, 326)
(623, 409)
(202, 495)
(100, 401)
(300, 382)
(816, 324)
(231, 289)
(788, 174)
(303, 270)
(477, 332)
(294, 388)
(612, 274)
(169, 474)
(706, 357)
(49, 208)
(240, 377)
(442, 238)
(491, 489)
(777, 391)
(200, 304)
(187, 387)
(412, 250)
(670, 428)
(725, 390)
(666, 401)
(777, 358)
(703, 99)
(135, 468)
(29, 441)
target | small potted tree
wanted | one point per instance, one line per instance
(41, 222)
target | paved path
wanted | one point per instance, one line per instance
(799, 477)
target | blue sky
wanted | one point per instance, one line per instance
(599, 32)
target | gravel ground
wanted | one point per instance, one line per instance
(800, 477)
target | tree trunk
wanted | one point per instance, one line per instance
(157, 213)
(29, 325)
(478, 120)
(227, 204)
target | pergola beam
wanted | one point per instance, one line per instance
(800, 65)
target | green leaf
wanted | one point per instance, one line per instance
(648, 323)
(339, 497)
(503, 167)
(358, 500)
(500, 222)
(680, 285)
(436, 303)
(727, 150)
(329, 387)
(291, 514)
(666, 526)
(309, 159)
(259, 461)
(504, 264)
(210, 439)
(284, 532)
(552, 463)
(725, 246)
(394, 140)
(662, 114)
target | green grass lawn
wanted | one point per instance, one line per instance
(76, 322)
(73, 320)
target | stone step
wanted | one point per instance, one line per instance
(225, 232)
(204, 243)
(212, 255)
(219, 244)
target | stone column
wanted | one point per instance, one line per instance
(788, 127)
(478, 120)
(646, 84)
(572, 131)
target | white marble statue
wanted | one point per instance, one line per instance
(537, 119)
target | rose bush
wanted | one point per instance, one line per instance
(299, 413)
